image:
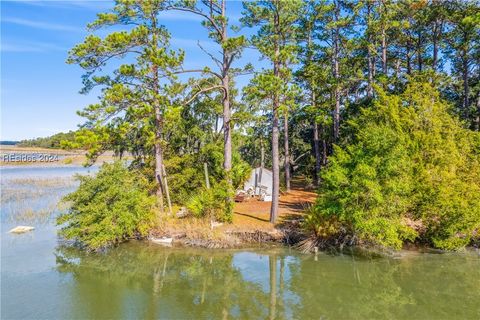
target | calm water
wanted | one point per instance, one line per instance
(42, 279)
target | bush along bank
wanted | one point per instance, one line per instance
(408, 173)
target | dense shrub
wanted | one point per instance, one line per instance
(108, 208)
(212, 203)
(186, 175)
(411, 172)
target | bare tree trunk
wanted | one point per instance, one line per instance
(318, 156)
(287, 151)
(262, 154)
(158, 130)
(262, 162)
(207, 180)
(466, 88)
(227, 130)
(369, 55)
(275, 168)
(336, 111)
(436, 36)
(419, 52)
(275, 134)
(324, 152)
(384, 51)
(227, 134)
(435, 55)
(336, 74)
(167, 192)
(227, 112)
(159, 158)
(370, 76)
(324, 148)
(409, 63)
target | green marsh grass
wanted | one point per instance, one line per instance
(33, 200)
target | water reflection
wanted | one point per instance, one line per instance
(415, 286)
(142, 281)
(40, 279)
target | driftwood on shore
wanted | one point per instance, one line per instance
(21, 229)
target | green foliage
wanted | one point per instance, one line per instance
(108, 208)
(212, 202)
(240, 171)
(187, 175)
(410, 172)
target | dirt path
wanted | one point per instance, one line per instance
(255, 214)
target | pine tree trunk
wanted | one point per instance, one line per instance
(466, 88)
(419, 52)
(227, 112)
(369, 55)
(262, 155)
(227, 129)
(409, 63)
(275, 130)
(158, 150)
(262, 163)
(275, 134)
(275, 168)
(318, 155)
(384, 51)
(159, 158)
(436, 36)
(324, 151)
(370, 76)
(336, 74)
(336, 111)
(287, 152)
(167, 191)
(227, 133)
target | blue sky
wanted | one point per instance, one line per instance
(39, 91)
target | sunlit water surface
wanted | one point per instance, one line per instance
(43, 279)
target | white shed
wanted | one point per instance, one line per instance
(260, 179)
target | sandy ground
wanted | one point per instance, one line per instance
(251, 223)
(255, 214)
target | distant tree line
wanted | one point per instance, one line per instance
(53, 142)
(8, 143)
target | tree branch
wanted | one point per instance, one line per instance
(193, 71)
(203, 91)
(217, 62)
(210, 19)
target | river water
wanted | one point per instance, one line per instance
(42, 278)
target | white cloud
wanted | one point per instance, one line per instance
(39, 24)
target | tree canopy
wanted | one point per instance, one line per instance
(376, 103)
